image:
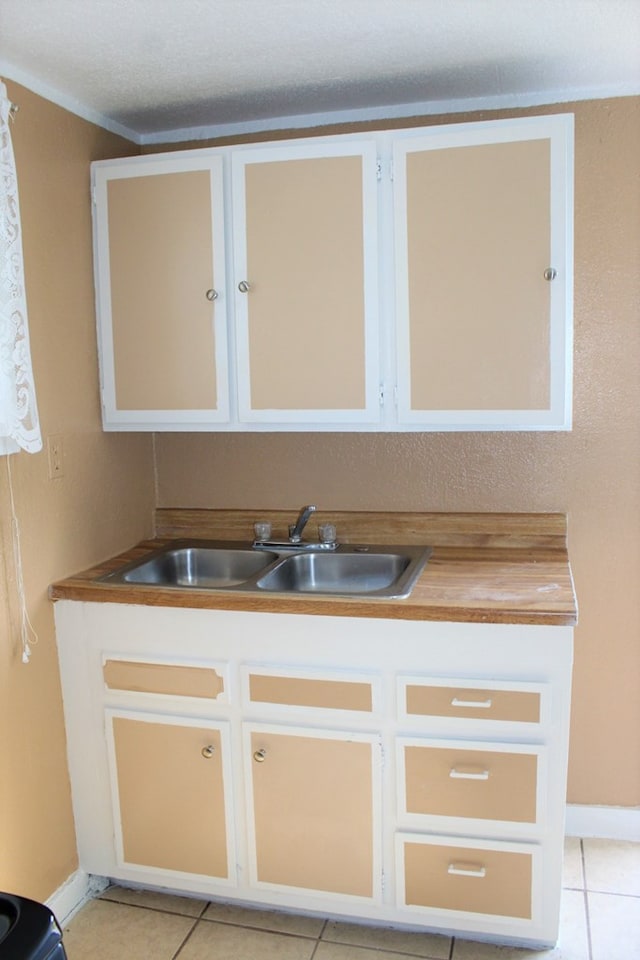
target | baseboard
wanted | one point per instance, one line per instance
(609, 823)
(73, 894)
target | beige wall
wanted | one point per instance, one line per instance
(591, 473)
(103, 502)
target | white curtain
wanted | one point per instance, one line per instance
(19, 424)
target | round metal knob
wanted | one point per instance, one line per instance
(550, 273)
(208, 752)
(260, 755)
(244, 286)
(211, 294)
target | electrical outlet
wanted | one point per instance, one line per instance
(55, 454)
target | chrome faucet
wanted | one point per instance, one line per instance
(295, 529)
(295, 543)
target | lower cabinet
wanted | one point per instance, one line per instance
(313, 808)
(170, 784)
(395, 772)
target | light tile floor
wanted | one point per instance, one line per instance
(600, 921)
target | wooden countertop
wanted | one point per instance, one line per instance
(487, 568)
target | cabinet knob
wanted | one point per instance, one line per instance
(260, 755)
(244, 286)
(211, 294)
(550, 273)
(208, 751)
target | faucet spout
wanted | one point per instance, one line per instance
(295, 530)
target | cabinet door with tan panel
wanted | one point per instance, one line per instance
(494, 787)
(171, 785)
(159, 239)
(305, 262)
(481, 706)
(455, 877)
(483, 275)
(314, 809)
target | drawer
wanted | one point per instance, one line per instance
(305, 690)
(465, 876)
(508, 701)
(470, 780)
(170, 679)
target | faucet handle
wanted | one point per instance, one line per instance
(327, 532)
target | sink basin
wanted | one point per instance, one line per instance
(341, 573)
(366, 570)
(202, 567)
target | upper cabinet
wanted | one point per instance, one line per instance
(160, 283)
(415, 280)
(306, 286)
(483, 276)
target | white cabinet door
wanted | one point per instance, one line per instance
(170, 781)
(313, 810)
(305, 265)
(161, 303)
(483, 275)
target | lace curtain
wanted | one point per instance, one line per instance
(19, 425)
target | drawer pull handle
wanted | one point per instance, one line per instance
(468, 773)
(467, 870)
(479, 704)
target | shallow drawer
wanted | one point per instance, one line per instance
(444, 780)
(517, 703)
(171, 679)
(494, 879)
(297, 690)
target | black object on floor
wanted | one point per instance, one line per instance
(28, 930)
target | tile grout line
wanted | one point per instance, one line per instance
(144, 906)
(586, 899)
(201, 916)
(186, 938)
(319, 939)
(248, 926)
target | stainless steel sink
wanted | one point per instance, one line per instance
(203, 566)
(350, 570)
(355, 573)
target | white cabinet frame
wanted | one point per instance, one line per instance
(385, 651)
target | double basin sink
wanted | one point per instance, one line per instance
(367, 570)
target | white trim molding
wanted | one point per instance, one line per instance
(73, 894)
(609, 823)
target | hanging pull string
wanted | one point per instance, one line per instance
(27, 631)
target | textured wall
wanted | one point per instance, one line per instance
(101, 504)
(592, 473)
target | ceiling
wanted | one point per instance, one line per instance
(158, 70)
